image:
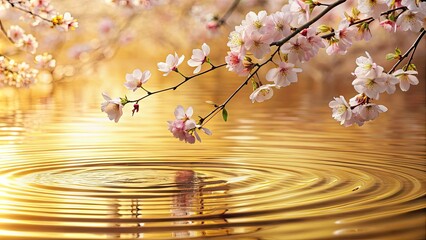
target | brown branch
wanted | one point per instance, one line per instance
(412, 48)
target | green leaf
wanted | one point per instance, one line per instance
(397, 51)
(225, 115)
(390, 56)
(412, 67)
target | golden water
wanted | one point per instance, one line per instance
(279, 170)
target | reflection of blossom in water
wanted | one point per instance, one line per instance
(186, 203)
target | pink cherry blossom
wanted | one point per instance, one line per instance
(298, 49)
(15, 33)
(341, 110)
(390, 82)
(136, 79)
(262, 93)
(29, 43)
(112, 107)
(171, 64)
(199, 56)
(184, 128)
(300, 11)
(254, 22)
(389, 25)
(278, 25)
(313, 39)
(283, 75)
(258, 44)
(406, 78)
(234, 63)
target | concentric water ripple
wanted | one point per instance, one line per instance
(163, 197)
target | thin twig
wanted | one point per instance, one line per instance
(149, 93)
(412, 48)
(228, 13)
(5, 33)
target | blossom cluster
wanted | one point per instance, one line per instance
(26, 42)
(184, 128)
(37, 12)
(370, 82)
(16, 74)
(254, 38)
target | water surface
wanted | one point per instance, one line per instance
(279, 170)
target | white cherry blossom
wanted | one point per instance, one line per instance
(136, 79)
(199, 56)
(112, 107)
(341, 109)
(262, 93)
(171, 64)
(406, 78)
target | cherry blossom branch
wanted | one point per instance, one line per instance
(367, 20)
(228, 13)
(306, 25)
(27, 11)
(204, 120)
(4, 32)
(411, 49)
(186, 79)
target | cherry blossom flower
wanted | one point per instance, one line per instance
(254, 22)
(64, 22)
(341, 109)
(372, 8)
(389, 25)
(136, 79)
(283, 75)
(313, 39)
(171, 64)
(29, 43)
(199, 56)
(410, 20)
(372, 87)
(16, 33)
(336, 47)
(370, 111)
(278, 25)
(258, 44)
(345, 34)
(45, 61)
(183, 127)
(300, 11)
(390, 82)
(262, 93)
(236, 41)
(298, 50)
(406, 78)
(234, 63)
(363, 32)
(112, 107)
(366, 67)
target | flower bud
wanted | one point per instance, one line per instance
(135, 108)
